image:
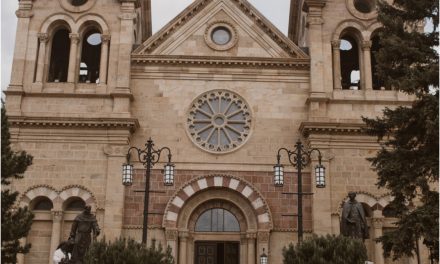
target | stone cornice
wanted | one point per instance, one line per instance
(204, 61)
(307, 128)
(199, 5)
(122, 123)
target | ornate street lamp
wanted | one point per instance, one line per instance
(263, 258)
(299, 158)
(148, 157)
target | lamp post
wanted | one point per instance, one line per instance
(299, 158)
(148, 157)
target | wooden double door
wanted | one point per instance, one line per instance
(217, 252)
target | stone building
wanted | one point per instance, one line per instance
(224, 90)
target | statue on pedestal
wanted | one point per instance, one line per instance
(353, 222)
(81, 234)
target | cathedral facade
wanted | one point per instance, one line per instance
(224, 90)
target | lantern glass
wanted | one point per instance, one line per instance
(263, 258)
(320, 176)
(127, 174)
(278, 176)
(168, 176)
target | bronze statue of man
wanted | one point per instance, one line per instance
(353, 222)
(81, 233)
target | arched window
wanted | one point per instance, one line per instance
(75, 204)
(375, 47)
(217, 220)
(90, 57)
(350, 66)
(59, 57)
(42, 204)
(388, 211)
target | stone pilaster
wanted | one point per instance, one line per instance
(377, 224)
(57, 217)
(103, 65)
(114, 191)
(337, 85)
(171, 236)
(183, 249)
(251, 238)
(366, 51)
(42, 37)
(71, 74)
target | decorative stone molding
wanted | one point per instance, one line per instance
(116, 150)
(57, 216)
(109, 123)
(171, 234)
(43, 37)
(263, 237)
(336, 44)
(232, 30)
(251, 235)
(245, 7)
(74, 38)
(24, 13)
(201, 61)
(105, 37)
(377, 223)
(366, 45)
(308, 128)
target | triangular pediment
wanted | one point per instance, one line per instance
(190, 34)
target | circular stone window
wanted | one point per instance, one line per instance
(77, 6)
(363, 9)
(77, 2)
(365, 6)
(221, 36)
(219, 121)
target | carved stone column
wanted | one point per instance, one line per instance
(71, 74)
(183, 249)
(105, 39)
(336, 64)
(42, 37)
(171, 238)
(243, 247)
(366, 47)
(57, 217)
(251, 237)
(377, 223)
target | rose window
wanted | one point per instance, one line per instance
(219, 121)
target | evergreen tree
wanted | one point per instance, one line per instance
(16, 222)
(127, 251)
(328, 249)
(408, 162)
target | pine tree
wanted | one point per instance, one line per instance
(328, 249)
(408, 162)
(16, 222)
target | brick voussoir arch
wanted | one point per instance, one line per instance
(366, 198)
(81, 192)
(238, 185)
(58, 197)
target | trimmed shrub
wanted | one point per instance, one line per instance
(127, 251)
(329, 249)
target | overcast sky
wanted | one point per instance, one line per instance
(162, 11)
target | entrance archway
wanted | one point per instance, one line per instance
(222, 192)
